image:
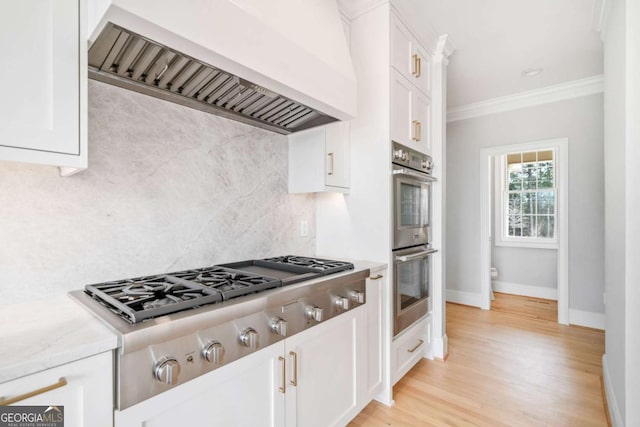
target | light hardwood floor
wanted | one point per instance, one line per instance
(511, 366)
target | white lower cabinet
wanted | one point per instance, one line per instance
(409, 347)
(310, 379)
(83, 388)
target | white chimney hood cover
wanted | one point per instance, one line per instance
(295, 48)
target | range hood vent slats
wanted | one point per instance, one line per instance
(123, 58)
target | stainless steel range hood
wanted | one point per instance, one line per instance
(128, 60)
(282, 65)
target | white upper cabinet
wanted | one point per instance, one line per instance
(409, 57)
(410, 114)
(43, 107)
(319, 159)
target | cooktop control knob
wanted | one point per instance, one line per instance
(213, 352)
(279, 327)
(166, 370)
(314, 313)
(249, 338)
(342, 302)
(398, 154)
(358, 297)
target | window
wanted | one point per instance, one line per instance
(529, 197)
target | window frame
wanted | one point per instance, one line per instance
(502, 204)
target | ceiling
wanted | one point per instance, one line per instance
(496, 40)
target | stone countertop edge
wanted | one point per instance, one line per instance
(40, 335)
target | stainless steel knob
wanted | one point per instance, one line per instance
(213, 352)
(166, 370)
(279, 327)
(397, 154)
(358, 297)
(405, 156)
(314, 313)
(249, 338)
(342, 302)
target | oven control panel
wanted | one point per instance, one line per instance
(405, 156)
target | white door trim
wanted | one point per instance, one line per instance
(486, 156)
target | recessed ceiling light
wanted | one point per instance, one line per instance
(530, 72)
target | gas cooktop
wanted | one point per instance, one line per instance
(142, 298)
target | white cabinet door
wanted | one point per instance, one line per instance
(324, 365)
(401, 109)
(375, 319)
(44, 82)
(244, 393)
(320, 159)
(410, 115)
(338, 154)
(408, 56)
(421, 122)
(87, 396)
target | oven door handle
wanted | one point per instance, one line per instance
(417, 255)
(419, 175)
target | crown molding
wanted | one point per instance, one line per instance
(560, 92)
(351, 9)
(445, 46)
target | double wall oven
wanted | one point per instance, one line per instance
(412, 251)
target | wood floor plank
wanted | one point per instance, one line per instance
(511, 366)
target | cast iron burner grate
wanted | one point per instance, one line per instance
(151, 296)
(230, 283)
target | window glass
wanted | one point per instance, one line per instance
(531, 192)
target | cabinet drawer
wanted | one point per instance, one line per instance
(409, 348)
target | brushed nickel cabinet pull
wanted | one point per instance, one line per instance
(379, 276)
(420, 342)
(294, 380)
(10, 401)
(283, 363)
(331, 168)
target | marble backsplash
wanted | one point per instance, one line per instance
(167, 188)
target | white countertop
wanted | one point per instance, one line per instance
(43, 334)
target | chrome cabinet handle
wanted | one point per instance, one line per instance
(330, 157)
(294, 356)
(10, 401)
(379, 276)
(283, 363)
(420, 342)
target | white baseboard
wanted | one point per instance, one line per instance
(440, 347)
(463, 297)
(526, 290)
(589, 319)
(612, 402)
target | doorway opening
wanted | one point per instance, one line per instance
(524, 220)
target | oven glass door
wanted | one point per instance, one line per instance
(412, 278)
(412, 212)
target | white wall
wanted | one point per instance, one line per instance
(614, 113)
(578, 119)
(167, 188)
(622, 147)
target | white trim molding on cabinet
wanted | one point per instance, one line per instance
(560, 92)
